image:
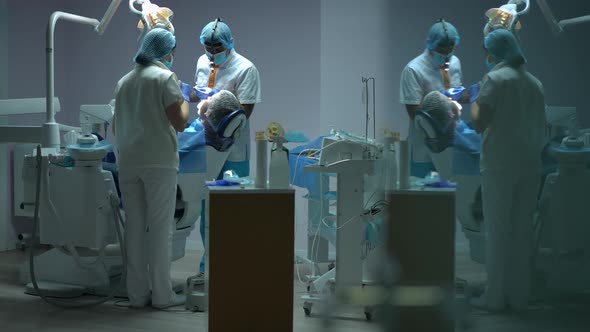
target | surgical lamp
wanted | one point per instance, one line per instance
(151, 16)
(506, 16)
(50, 136)
(48, 133)
(558, 26)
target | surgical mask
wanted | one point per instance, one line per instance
(490, 64)
(440, 59)
(169, 63)
(218, 58)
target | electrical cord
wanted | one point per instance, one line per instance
(381, 202)
(315, 151)
(316, 235)
(344, 224)
(312, 263)
(72, 251)
(321, 199)
(369, 200)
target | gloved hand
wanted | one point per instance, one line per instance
(186, 91)
(473, 92)
(454, 93)
(441, 184)
(221, 183)
(204, 93)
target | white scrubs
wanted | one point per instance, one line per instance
(419, 77)
(148, 166)
(511, 167)
(149, 198)
(239, 76)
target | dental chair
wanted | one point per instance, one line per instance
(191, 186)
(98, 274)
(439, 141)
(561, 263)
(468, 198)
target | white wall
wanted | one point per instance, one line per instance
(356, 42)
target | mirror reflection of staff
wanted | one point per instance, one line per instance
(509, 111)
(436, 69)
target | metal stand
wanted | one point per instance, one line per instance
(348, 272)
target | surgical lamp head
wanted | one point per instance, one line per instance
(505, 17)
(216, 34)
(219, 106)
(442, 34)
(503, 45)
(155, 16)
(156, 45)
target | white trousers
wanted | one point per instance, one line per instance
(509, 203)
(148, 196)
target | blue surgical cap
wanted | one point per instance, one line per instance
(442, 34)
(156, 45)
(222, 34)
(502, 45)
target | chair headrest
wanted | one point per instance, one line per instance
(231, 123)
(227, 131)
(438, 136)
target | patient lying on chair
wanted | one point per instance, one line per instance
(211, 128)
(441, 120)
(218, 126)
(448, 130)
(216, 113)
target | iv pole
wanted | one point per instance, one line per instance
(365, 81)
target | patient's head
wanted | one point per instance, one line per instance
(441, 108)
(219, 106)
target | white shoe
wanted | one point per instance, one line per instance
(177, 299)
(139, 305)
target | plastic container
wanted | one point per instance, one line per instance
(390, 160)
(278, 172)
(261, 160)
(402, 153)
